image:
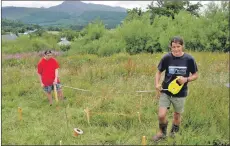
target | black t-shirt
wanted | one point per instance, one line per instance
(176, 66)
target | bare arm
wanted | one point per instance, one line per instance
(157, 80)
(56, 76)
(193, 77)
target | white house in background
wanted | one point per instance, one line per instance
(63, 39)
(64, 42)
(30, 31)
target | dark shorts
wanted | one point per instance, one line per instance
(48, 89)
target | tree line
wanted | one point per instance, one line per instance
(150, 31)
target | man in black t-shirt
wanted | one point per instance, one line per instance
(176, 63)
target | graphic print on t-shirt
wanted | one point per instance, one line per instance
(177, 70)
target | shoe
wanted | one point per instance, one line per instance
(162, 134)
(174, 130)
(158, 137)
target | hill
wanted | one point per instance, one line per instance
(67, 13)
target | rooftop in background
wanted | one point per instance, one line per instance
(9, 37)
(64, 41)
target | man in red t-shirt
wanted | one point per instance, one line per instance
(48, 75)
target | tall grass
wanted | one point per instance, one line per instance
(112, 101)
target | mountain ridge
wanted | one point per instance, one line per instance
(66, 13)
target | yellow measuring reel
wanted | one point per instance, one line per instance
(174, 86)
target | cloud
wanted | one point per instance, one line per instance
(36, 4)
(125, 4)
(46, 4)
(132, 4)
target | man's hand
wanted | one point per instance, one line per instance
(182, 80)
(158, 87)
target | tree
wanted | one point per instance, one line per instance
(193, 8)
(218, 31)
(39, 32)
(170, 8)
(134, 13)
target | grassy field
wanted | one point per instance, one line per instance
(112, 101)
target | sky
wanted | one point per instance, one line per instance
(46, 4)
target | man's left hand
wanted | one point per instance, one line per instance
(182, 80)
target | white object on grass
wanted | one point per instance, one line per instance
(74, 88)
(149, 91)
(78, 131)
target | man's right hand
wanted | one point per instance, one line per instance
(158, 87)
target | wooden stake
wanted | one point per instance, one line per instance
(139, 117)
(87, 113)
(55, 93)
(20, 113)
(143, 142)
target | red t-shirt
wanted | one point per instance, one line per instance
(46, 68)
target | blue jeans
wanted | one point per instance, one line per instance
(48, 89)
